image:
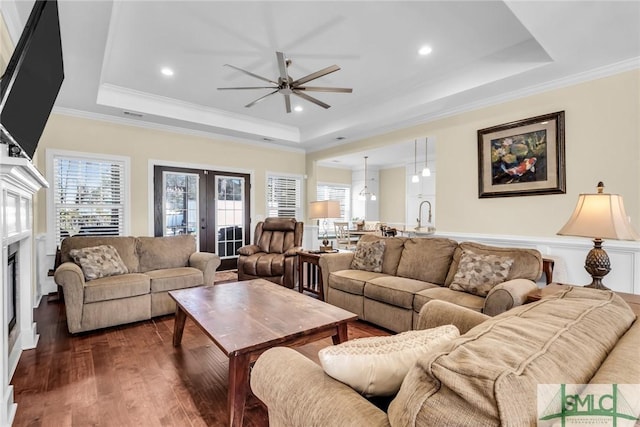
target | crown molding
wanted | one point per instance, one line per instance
(128, 99)
(171, 129)
(420, 119)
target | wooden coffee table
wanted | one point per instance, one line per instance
(244, 319)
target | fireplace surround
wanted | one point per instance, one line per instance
(19, 181)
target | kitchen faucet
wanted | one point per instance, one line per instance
(420, 213)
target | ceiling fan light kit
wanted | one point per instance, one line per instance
(286, 86)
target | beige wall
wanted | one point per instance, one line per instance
(393, 188)
(142, 145)
(6, 47)
(602, 143)
(334, 175)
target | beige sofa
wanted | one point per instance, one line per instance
(487, 377)
(155, 266)
(417, 270)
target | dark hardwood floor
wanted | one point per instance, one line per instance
(130, 375)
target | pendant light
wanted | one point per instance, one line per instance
(415, 178)
(426, 171)
(365, 191)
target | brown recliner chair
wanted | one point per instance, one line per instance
(277, 241)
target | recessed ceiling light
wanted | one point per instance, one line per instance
(167, 71)
(340, 138)
(425, 50)
(298, 108)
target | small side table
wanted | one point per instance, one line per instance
(309, 274)
(547, 269)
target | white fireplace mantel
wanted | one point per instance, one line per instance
(19, 181)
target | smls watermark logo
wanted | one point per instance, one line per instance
(615, 405)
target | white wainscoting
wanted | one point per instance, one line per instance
(569, 255)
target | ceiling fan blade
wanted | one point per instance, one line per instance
(315, 75)
(250, 74)
(325, 89)
(282, 66)
(310, 99)
(251, 104)
(287, 103)
(251, 87)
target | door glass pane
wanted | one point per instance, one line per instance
(180, 203)
(229, 215)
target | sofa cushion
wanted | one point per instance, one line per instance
(376, 366)
(562, 339)
(156, 253)
(462, 299)
(477, 273)
(397, 291)
(126, 247)
(351, 281)
(174, 278)
(427, 259)
(368, 256)
(527, 263)
(115, 287)
(99, 261)
(392, 251)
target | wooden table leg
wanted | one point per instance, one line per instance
(178, 326)
(341, 334)
(238, 388)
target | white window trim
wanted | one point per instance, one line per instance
(50, 154)
(269, 174)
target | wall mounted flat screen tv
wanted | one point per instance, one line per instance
(32, 80)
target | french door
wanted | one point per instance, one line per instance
(212, 205)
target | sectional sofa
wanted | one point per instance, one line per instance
(417, 270)
(146, 269)
(489, 376)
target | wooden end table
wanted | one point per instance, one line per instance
(632, 299)
(310, 274)
(244, 319)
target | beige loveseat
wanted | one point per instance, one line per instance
(417, 270)
(487, 377)
(155, 266)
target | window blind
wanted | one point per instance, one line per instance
(88, 197)
(336, 192)
(284, 196)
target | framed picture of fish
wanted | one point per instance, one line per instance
(522, 158)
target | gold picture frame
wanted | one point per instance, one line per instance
(522, 158)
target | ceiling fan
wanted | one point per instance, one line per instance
(287, 86)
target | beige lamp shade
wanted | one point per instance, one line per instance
(322, 209)
(600, 216)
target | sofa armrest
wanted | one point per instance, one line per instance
(507, 295)
(249, 250)
(293, 251)
(437, 313)
(207, 263)
(333, 262)
(70, 277)
(297, 392)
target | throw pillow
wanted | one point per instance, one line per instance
(477, 274)
(376, 366)
(368, 256)
(99, 261)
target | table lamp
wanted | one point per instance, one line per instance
(599, 216)
(323, 209)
